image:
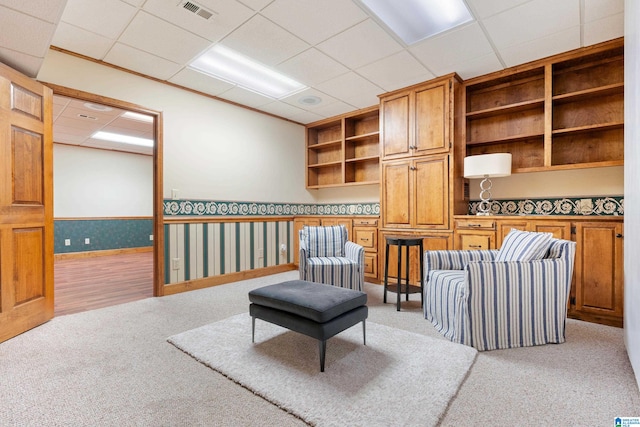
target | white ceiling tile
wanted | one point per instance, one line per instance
(282, 109)
(453, 47)
(311, 67)
(312, 20)
(533, 20)
(47, 10)
(295, 98)
(485, 8)
(24, 33)
(256, 4)
(200, 82)
(542, 47)
(67, 136)
(26, 64)
(597, 9)
(352, 89)
(141, 62)
(245, 97)
(156, 36)
(227, 16)
(306, 117)
(603, 29)
(264, 41)
(81, 41)
(335, 109)
(396, 71)
(105, 17)
(360, 45)
(473, 67)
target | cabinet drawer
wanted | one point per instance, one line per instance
(476, 224)
(475, 242)
(362, 222)
(371, 265)
(366, 237)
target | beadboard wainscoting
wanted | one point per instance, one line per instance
(202, 248)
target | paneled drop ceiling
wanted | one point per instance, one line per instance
(335, 47)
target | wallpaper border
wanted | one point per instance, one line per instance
(565, 206)
(208, 208)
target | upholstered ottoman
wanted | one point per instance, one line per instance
(313, 309)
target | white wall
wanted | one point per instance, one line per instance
(632, 181)
(212, 150)
(99, 183)
(566, 183)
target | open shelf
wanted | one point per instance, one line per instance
(562, 112)
(352, 140)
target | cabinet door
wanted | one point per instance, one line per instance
(298, 223)
(430, 192)
(559, 229)
(599, 269)
(395, 127)
(367, 237)
(505, 226)
(431, 121)
(396, 194)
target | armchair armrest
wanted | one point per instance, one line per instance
(355, 252)
(454, 260)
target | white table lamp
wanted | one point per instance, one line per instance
(487, 166)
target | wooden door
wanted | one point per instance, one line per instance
(396, 138)
(559, 229)
(599, 270)
(431, 120)
(430, 181)
(26, 203)
(396, 194)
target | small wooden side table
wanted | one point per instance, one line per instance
(400, 242)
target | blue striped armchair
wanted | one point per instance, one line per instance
(473, 299)
(327, 256)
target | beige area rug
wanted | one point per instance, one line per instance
(398, 378)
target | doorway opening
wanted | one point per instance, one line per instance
(108, 224)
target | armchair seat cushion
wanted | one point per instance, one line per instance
(338, 271)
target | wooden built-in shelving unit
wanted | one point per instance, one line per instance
(564, 112)
(344, 150)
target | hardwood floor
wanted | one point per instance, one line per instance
(83, 284)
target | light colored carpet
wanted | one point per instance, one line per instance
(283, 367)
(114, 367)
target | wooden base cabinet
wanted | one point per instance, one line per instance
(597, 287)
(598, 292)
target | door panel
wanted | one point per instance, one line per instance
(26, 204)
(395, 116)
(431, 121)
(432, 192)
(396, 194)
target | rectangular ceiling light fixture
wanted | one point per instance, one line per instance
(225, 64)
(124, 139)
(415, 20)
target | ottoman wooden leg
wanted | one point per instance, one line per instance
(323, 348)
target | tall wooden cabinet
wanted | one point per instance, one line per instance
(421, 185)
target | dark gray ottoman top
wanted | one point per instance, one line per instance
(314, 301)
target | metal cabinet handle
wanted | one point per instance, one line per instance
(619, 236)
(475, 246)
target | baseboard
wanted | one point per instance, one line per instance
(91, 254)
(207, 282)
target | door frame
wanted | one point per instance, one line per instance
(158, 205)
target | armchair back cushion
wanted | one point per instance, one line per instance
(524, 246)
(326, 241)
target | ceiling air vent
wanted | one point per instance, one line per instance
(197, 9)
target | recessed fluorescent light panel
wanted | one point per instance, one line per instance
(415, 20)
(223, 63)
(125, 139)
(137, 116)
